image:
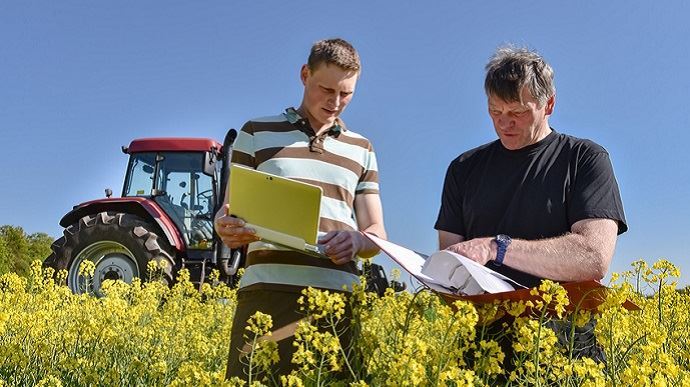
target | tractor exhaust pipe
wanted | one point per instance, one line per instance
(230, 260)
(225, 170)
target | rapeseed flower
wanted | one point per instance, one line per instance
(146, 333)
(322, 303)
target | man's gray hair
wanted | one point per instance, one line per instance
(512, 68)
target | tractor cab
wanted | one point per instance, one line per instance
(182, 176)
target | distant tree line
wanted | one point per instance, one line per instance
(18, 249)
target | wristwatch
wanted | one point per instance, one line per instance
(502, 243)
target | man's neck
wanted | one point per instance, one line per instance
(543, 132)
(317, 126)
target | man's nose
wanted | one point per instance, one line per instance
(335, 100)
(504, 121)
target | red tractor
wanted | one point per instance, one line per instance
(172, 190)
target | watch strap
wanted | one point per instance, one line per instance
(502, 243)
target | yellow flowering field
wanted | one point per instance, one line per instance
(148, 334)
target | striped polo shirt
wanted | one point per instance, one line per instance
(340, 161)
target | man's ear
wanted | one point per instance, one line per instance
(304, 73)
(550, 103)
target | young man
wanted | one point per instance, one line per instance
(311, 144)
(534, 204)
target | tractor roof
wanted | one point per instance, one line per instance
(172, 144)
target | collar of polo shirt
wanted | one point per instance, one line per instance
(315, 142)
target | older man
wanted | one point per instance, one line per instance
(534, 204)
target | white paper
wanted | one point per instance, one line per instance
(409, 260)
(485, 278)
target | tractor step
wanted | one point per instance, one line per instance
(199, 271)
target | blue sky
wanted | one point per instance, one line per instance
(79, 79)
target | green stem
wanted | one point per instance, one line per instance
(318, 375)
(660, 309)
(342, 351)
(251, 359)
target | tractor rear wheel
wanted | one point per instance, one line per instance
(120, 246)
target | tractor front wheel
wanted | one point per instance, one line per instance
(119, 245)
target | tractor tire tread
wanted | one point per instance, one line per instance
(101, 226)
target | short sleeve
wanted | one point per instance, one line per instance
(595, 192)
(450, 216)
(369, 180)
(243, 149)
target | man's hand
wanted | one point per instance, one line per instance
(480, 250)
(342, 246)
(232, 231)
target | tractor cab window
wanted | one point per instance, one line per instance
(140, 175)
(177, 183)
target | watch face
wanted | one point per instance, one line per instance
(505, 239)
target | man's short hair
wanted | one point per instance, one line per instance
(334, 51)
(512, 68)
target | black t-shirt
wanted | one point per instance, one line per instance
(535, 192)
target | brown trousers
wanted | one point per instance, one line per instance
(283, 308)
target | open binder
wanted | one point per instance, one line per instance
(583, 295)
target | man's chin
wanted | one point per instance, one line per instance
(329, 120)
